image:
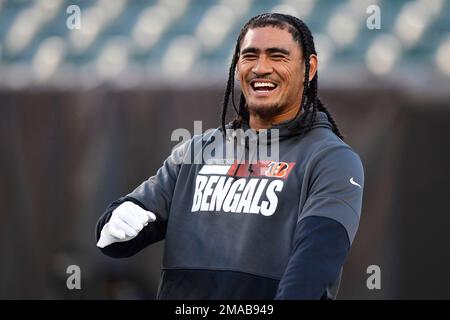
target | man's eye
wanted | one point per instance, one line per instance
(278, 57)
(249, 56)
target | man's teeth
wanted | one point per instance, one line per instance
(263, 84)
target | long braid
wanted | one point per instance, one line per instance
(336, 130)
(310, 101)
(241, 113)
(229, 89)
(307, 43)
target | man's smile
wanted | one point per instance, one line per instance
(263, 87)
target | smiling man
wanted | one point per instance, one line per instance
(254, 228)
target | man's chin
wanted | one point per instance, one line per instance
(263, 110)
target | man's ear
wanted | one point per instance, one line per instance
(313, 64)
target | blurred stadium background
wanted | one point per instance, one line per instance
(87, 114)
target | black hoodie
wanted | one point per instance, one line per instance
(252, 229)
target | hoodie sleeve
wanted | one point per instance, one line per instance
(315, 265)
(326, 227)
(153, 195)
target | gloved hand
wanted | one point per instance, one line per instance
(127, 220)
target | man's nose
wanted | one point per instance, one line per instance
(262, 67)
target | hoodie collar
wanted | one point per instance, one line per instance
(294, 127)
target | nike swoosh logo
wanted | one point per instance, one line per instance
(354, 183)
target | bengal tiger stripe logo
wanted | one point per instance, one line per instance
(277, 169)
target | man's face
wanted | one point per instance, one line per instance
(271, 71)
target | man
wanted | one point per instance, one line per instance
(277, 229)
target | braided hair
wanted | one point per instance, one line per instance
(310, 102)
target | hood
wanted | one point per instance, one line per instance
(294, 127)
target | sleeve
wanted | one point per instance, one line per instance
(335, 188)
(326, 226)
(154, 195)
(321, 249)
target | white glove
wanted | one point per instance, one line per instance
(127, 220)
